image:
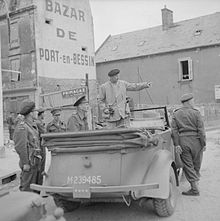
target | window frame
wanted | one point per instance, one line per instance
(15, 65)
(14, 35)
(190, 69)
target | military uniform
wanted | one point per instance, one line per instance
(27, 145)
(189, 133)
(41, 126)
(77, 122)
(56, 125)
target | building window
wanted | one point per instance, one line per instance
(15, 69)
(14, 37)
(185, 69)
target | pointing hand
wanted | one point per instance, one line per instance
(149, 84)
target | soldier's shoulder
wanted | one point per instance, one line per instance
(74, 113)
(197, 112)
(72, 118)
(177, 109)
(21, 125)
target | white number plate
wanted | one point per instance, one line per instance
(84, 180)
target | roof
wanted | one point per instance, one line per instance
(197, 32)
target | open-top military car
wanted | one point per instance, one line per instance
(124, 164)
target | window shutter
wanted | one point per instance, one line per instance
(190, 69)
(180, 70)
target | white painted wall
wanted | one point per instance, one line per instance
(60, 42)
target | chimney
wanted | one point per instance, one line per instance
(167, 18)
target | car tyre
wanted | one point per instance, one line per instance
(66, 205)
(166, 207)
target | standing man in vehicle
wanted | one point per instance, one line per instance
(190, 140)
(78, 120)
(27, 145)
(56, 125)
(112, 99)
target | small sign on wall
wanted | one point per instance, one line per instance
(74, 92)
(217, 92)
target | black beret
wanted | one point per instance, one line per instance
(79, 100)
(27, 107)
(186, 97)
(55, 111)
(113, 72)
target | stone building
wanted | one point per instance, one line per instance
(178, 57)
(47, 46)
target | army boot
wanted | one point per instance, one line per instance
(194, 191)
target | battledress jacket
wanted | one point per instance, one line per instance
(187, 121)
(77, 122)
(55, 126)
(26, 138)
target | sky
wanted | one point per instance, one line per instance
(112, 17)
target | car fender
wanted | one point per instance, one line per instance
(158, 172)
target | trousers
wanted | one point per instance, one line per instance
(191, 157)
(29, 177)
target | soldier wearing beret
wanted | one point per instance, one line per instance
(112, 99)
(190, 140)
(27, 145)
(56, 125)
(78, 120)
